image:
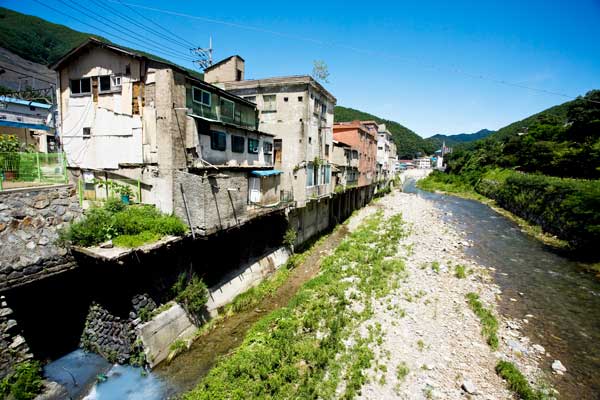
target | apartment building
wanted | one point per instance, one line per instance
(30, 122)
(361, 135)
(183, 144)
(345, 165)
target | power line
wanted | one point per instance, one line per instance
(28, 76)
(128, 19)
(119, 28)
(183, 40)
(99, 29)
(351, 48)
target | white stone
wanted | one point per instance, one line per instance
(539, 348)
(469, 387)
(557, 366)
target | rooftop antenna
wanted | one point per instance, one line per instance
(205, 59)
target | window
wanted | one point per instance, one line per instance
(300, 98)
(227, 108)
(201, 96)
(237, 144)
(116, 81)
(270, 102)
(31, 108)
(253, 146)
(268, 148)
(217, 140)
(238, 75)
(285, 99)
(310, 140)
(251, 99)
(87, 133)
(81, 86)
(326, 149)
(309, 175)
(104, 83)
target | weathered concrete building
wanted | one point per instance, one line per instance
(184, 145)
(386, 153)
(363, 136)
(299, 112)
(345, 165)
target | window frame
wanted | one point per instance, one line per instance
(110, 87)
(214, 140)
(251, 150)
(232, 116)
(237, 138)
(267, 147)
(202, 92)
(79, 80)
(274, 102)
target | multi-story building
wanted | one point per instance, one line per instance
(386, 153)
(345, 165)
(298, 111)
(361, 135)
(183, 144)
(30, 122)
(423, 162)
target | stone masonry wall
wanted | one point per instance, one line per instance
(13, 348)
(29, 224)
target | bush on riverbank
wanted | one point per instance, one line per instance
(24, 383)
(567, 208)
(127, 226)
(517, 382)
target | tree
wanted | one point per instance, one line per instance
(320, 71)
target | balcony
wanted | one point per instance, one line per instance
(317, 191)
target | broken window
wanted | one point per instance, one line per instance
(253, 146)
(81, 86)
(227, 108)
(104, 83)
(218, 140)
(201, 96)
(237, 144)
(269, 102)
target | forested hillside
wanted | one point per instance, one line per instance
(407, 141)
(36, 39)
(453, 140)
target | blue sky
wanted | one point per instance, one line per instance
(429, 65)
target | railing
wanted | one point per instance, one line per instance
(286, 196)
(317, 191)
(18, 170)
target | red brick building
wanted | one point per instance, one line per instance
(363, 136)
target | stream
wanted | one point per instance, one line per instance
(563, 299)
(564, 302)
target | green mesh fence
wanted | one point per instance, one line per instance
(30, 169)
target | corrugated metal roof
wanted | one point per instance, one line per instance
(13, 100)
(14, 124)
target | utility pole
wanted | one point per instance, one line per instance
(205, 58)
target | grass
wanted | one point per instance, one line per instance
(489, 322)
(435, 266)
(420, 345)
(24, 383)
(312, 348)
(127, 226)
(402, 371)
(517, 382)
(460, 272)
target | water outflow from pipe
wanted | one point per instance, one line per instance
(563, 299)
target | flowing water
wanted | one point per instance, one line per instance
(563, 299)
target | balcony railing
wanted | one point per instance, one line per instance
(317, 191)
(31, 169)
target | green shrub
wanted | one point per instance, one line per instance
(459, 272)
(128, 226)
(489, 323)
(289, 239)
(193, 297)
(567, 208)
(516, 381)
(24, 383)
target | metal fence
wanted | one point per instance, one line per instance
(19, 170)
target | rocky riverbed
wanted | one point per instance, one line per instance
(432, 344)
